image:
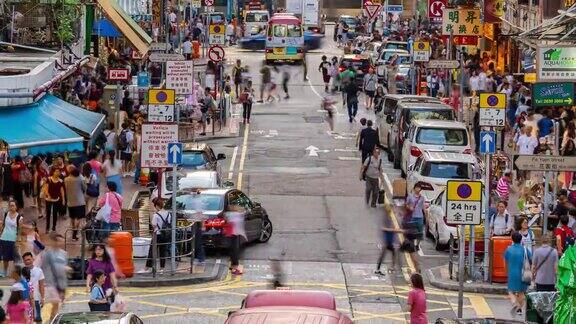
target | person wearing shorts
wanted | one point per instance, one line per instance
(369, 84)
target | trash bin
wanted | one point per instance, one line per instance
(498, 265)
(121, 242)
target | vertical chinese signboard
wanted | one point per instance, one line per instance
(461, 22)
(154, 147)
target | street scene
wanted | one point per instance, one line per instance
(287, 161)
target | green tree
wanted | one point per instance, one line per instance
(67, 14)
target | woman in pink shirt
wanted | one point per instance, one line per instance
(17, 307)
(417, 300)
(115, 201)
(94, 163)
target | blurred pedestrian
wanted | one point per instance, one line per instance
(55, 198)
(324, 68)
(369, 86)
(389, 241)
(55, 267)
(75, 188)
(368, 140)
(17, 306)
(564, 235)
(266, 77)
(112, 169)
(417, 300)
(351, 89)
(415, 211)
(545, 264)
(236, 234)
(515, 256)
(3, 319)
(285, 80)
(237, 77)
(101, 261)
(247, 100)
(126, 147)
(19, 170)
(161, 225)
(111, 138)
(98, 301)
(207, 109)
(11, 223)
(40, 175)
(114, 200)
(371, 173)
(37, 282)
(503, 187)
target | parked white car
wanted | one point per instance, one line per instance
(436, 227)
(372, 49)
(202, 179)
(388, 56)
(433, 170)
(433, 135)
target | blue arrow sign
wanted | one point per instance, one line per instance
(175, 153)
(487, 142)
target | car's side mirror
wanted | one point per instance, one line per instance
(221, 156)
(389, 119)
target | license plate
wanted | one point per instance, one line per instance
(291, 50)
(278, 50)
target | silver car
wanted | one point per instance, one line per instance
(97, 318)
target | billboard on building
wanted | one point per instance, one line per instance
(556, 63)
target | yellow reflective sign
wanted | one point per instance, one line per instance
(464, 190)
(161, 96)
(421, 46)
(530, 77)
(492, 100)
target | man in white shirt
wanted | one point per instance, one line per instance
(526, 144)
(482, 83)
(187, 49)
(474, 82)
(37, 283)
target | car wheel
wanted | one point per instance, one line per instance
(265, 231)
(397, 159)
(437, 245)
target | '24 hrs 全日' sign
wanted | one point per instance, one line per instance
(553, 94)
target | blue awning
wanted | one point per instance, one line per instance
(84, 122)
(49, 125)
(104, 28)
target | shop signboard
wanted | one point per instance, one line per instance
(465, 22)
(154, 146)
(553, 94)
(493, 11)
(436, 8)
(196, 3)
(179, 76)
(556, 63)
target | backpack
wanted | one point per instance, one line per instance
(123, 140)
(568, 240)
(93, 189)
(493, 216)
(17, 222)
(165, 234)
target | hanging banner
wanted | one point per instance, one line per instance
(493, 10)
(465, 22)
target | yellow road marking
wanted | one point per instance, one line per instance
(243, 156)
(480, 306)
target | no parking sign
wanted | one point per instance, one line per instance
(492, 109)
(463, 202)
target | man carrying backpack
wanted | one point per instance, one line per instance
(371, 172)
(564, 235)
(125, 145)
(502, 223)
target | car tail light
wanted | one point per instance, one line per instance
(415, 151)
(300, 50)
(268, 50)
(341, 69)
(399, 78)
(446, 222)
(425, 186)
(467, 151)
(269, 39)
(215, 223)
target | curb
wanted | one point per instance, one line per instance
(219, 270)
(437, 281)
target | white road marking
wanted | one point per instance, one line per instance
(348, 158)
(232, 163)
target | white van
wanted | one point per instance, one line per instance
(255, 21)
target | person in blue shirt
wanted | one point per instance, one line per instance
(98, 300)
(546, 125)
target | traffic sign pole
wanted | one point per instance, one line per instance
(486, 261)
(461, 256)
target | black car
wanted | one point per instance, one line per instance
(209, 206)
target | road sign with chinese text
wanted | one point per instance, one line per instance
(179, 76)
(217, 34)
(461, 22)
(421, 51)
(545, 163)
(154, 145)
(492, 109)
(118, 75)
(161, 105)
(463, 202)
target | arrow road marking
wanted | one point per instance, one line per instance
(312, 150)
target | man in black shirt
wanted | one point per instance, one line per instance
(352, 99)
(562, 208)
(368, 140)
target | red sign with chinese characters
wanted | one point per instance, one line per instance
(461, 40)
(118, 75)
(436, 8)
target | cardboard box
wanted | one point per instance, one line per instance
(399, 188)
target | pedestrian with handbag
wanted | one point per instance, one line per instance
(414, 217)
(518, 264)
(545, 264)
(161, 226)
(371, 173)
(98, 300)
(11, 222)
(110, 209)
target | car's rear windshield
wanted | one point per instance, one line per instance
(430, 113)
(397, 46)
(256, 17)
(357, 64)
(351, 22)
(200, 202)
(442, 136)
(193, 159)
(193, 182)
(393, 57)
(446, 170)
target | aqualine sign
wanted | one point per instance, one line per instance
(553, 94)
(556, 63)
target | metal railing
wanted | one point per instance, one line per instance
(185, 246)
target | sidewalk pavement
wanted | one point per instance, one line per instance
(439, 277)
